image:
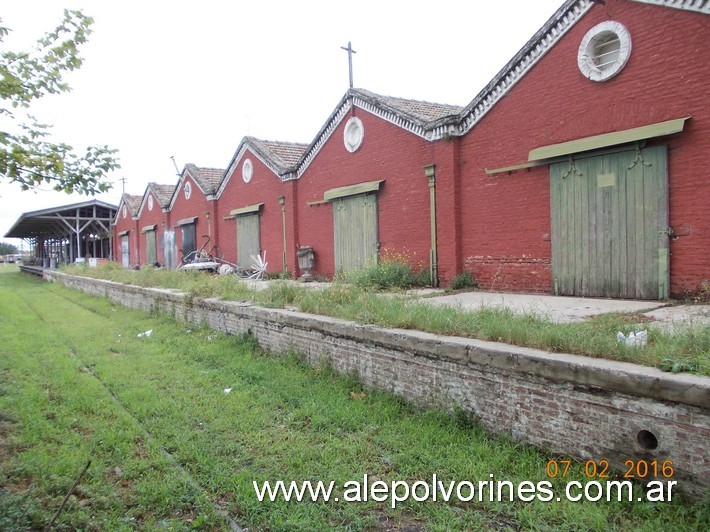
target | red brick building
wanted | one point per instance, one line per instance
(362, 189)
(578, 170)
(193, 210)
(606, 127)
(256, 204)
(125, 230)
(156, 242)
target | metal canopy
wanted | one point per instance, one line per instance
(74, 223)
(351, 190)
(608, 139)
(246, 210)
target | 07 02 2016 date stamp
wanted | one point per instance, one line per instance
(634, 469)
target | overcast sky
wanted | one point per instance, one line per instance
(190, 79)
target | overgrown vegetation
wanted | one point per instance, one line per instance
(687, 349)
(392, 271)
(463, 281)
(701, 295)
(77, 383)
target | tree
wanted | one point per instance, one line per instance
(26, 156)
(7, 249)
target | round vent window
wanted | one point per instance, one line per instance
(150, 203)
(125, 211)
(247, 170)
(353, 134)
(188, 190)
(604, 51)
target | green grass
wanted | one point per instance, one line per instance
(76, 383)
(685, 350)
(390, 273)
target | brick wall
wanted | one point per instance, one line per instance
(508, 215)
(130, 225)
(498, 226)
(569, 405)
(197, 206)
(264, 187)
(387, 153)
(510, 273)
(157, 217)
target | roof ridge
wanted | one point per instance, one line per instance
(378, 95)
(204, 167)
(281, 142)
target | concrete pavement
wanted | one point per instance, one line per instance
(565, 309)
(553, 308)
(558, 309)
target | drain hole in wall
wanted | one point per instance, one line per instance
(647, 440)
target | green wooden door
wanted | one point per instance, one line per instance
(151, 252)
(355, 223)
(247, 239)
(609, 220)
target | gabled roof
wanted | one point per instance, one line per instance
(282, 158)
(419, 112)
(540, 43)
(528, 56)
(289, 160)
(208, 179)
(418, 117)
(433, 121)
(162, 193)
(132, 201)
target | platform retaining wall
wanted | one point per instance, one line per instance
(577, 407)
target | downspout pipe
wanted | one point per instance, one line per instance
(282, 202)
(430, 173)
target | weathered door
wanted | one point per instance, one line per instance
(169, 249)
(189, 241)
(609, 221)
(125, 252)
(355, 223)
(151, 253)
(248, 239)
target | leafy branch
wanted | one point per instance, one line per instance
(26, 157)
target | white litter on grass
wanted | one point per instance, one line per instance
(225, 269)
(147, 333)
(258, 267)
(227, 390)
(634, 338)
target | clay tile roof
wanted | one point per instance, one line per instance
(163, 193)
(282, 155)
(133, 202)
(208, 178)
(416, 110)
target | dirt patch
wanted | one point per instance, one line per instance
(140, 450)
(635, 317)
